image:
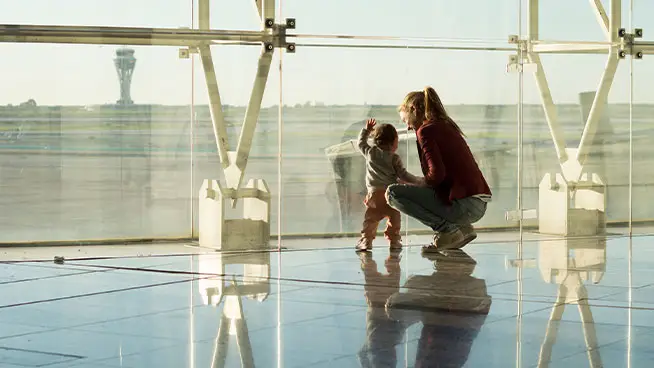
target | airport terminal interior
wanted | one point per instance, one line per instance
(181, 185)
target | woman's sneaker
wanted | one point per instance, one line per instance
(456, 239)
(396, 244)
(364, 245)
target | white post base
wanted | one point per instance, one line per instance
(572, 209)
(252, 231)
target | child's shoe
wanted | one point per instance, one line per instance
(364, 245)
(396, 244)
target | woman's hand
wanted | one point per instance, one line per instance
(370, 124)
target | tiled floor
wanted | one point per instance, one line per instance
(570, 303)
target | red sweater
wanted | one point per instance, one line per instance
(447, 163)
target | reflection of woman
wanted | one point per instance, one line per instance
(382, 333)
(452, 305)
(456, 193)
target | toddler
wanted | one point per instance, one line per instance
(383, 168)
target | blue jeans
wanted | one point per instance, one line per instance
(423, 204)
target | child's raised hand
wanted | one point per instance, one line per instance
(370, 124)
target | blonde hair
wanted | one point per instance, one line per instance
(428, 107)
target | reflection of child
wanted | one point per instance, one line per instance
(383, 168)
(382, 333)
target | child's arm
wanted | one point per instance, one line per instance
(364, 147)
(403, 174)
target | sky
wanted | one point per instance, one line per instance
(85, 74)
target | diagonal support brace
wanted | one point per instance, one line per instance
(215, 105)
(597, 108)
(602, 18)
(549, 107)
(235, 162)
(238, 160)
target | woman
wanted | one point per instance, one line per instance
(455, 193)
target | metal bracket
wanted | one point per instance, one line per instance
(518, 60)
(515, 216)
(279, 39)
(185, 53)
(628, 45)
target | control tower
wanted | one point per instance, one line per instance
(125, 62)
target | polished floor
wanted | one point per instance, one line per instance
(556, 303)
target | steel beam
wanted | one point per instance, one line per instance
(549, 108)
(570, 48)
(124, 35)
(265, 9)
(615, 20)
(204, 14)
(253, 109)
(238, 160)
(541, 80)
(215, 103)
(99, 41)
(534, 20)
(604, 87)
(602, 18)
(122, 41)
(644, 45)
(597, 108)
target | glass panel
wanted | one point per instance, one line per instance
(477, 19)
(236, 69)
(234, 15)
(574, 211)
(80, 162)
(642, 17)
(573, 20)
(119, 13)
(328, 94)
(643, 128)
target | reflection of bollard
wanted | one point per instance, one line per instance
(255, 284)
(569, 263)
